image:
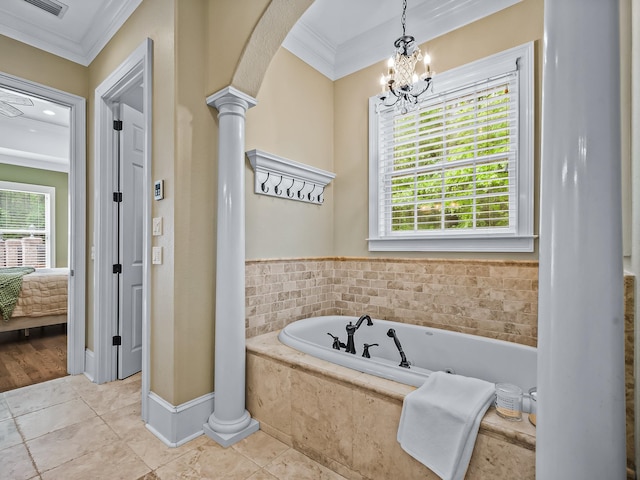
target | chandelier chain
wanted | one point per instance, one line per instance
(404, 17)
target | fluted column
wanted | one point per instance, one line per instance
(230, 422)
(581, 414)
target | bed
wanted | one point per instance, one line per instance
(42, 300)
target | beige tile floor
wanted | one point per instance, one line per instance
(71, 429)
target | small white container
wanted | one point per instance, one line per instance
(509, 401)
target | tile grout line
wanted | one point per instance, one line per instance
(24, 442)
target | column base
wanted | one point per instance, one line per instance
(228, 439)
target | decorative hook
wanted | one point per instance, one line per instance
(311, 198)
(301, 195)
(276, 189)
(263, 186)
(289, 192)
(320, 197)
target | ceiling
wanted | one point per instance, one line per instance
(339, 37)
(38, 136)
(336, 37)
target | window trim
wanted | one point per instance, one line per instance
(44, 189)
(520, 241)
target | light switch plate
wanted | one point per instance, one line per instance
(156, 254)
(157, 226)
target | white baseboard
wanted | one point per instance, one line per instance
(89, 364)
(178, 425)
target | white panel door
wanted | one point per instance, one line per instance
(131, 226)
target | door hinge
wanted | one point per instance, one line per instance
(117, 125)
(117, 197)
(117, 268)
(117, 340)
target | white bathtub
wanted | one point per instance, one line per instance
(426, 349)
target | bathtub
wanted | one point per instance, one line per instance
(427, 350)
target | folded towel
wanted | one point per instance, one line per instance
(440, 421)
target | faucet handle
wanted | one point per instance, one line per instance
(365, 353)
(337, 344)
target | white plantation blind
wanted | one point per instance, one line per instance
(451, 163)
(456, 172)
(25, 225)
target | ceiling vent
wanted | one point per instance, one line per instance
(55, 8)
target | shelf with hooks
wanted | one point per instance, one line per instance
(280, 177)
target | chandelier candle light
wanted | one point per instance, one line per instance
(402, 86)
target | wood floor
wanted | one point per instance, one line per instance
(34, 359)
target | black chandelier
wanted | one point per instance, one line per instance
(402, 86)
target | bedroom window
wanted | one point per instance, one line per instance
(26, 225)
(456, 173)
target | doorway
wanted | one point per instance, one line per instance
(75, 342)
(122, 248)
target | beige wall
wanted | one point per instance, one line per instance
(193, 57)
(293, 119)
(194, 181)
(36, 65)
(230, 23)
(153, 20)
(508, 28)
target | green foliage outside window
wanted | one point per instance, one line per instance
(451, 165)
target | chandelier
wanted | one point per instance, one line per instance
(402, 86)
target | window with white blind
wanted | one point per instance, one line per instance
(456, 172)
(26, 225)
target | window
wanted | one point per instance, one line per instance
(456, 173)
(26, 225)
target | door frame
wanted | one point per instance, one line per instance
(76, 306)
(134, 71)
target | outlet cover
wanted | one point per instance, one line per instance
(156, 255)
(157, 226)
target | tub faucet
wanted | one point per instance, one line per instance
(337, 344)
(362, 319)
(351, 347)
(351, 330)
(392, 333)
(366, 353)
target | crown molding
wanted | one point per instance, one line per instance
(107, 21)
(376, 44)
(313, 48)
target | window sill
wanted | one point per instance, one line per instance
(454, 244)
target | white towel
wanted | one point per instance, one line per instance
(440, 421)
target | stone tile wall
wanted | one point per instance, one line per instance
(497, 299)
(278, 292)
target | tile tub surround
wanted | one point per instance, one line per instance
(348, 421)
(496, 299)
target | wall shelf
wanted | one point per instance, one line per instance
(280, 177)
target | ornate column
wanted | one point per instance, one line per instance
(230, 422)
(581, 415)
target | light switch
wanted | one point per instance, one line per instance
(157, 226)
(156, 255)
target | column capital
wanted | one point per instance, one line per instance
(231, 96)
